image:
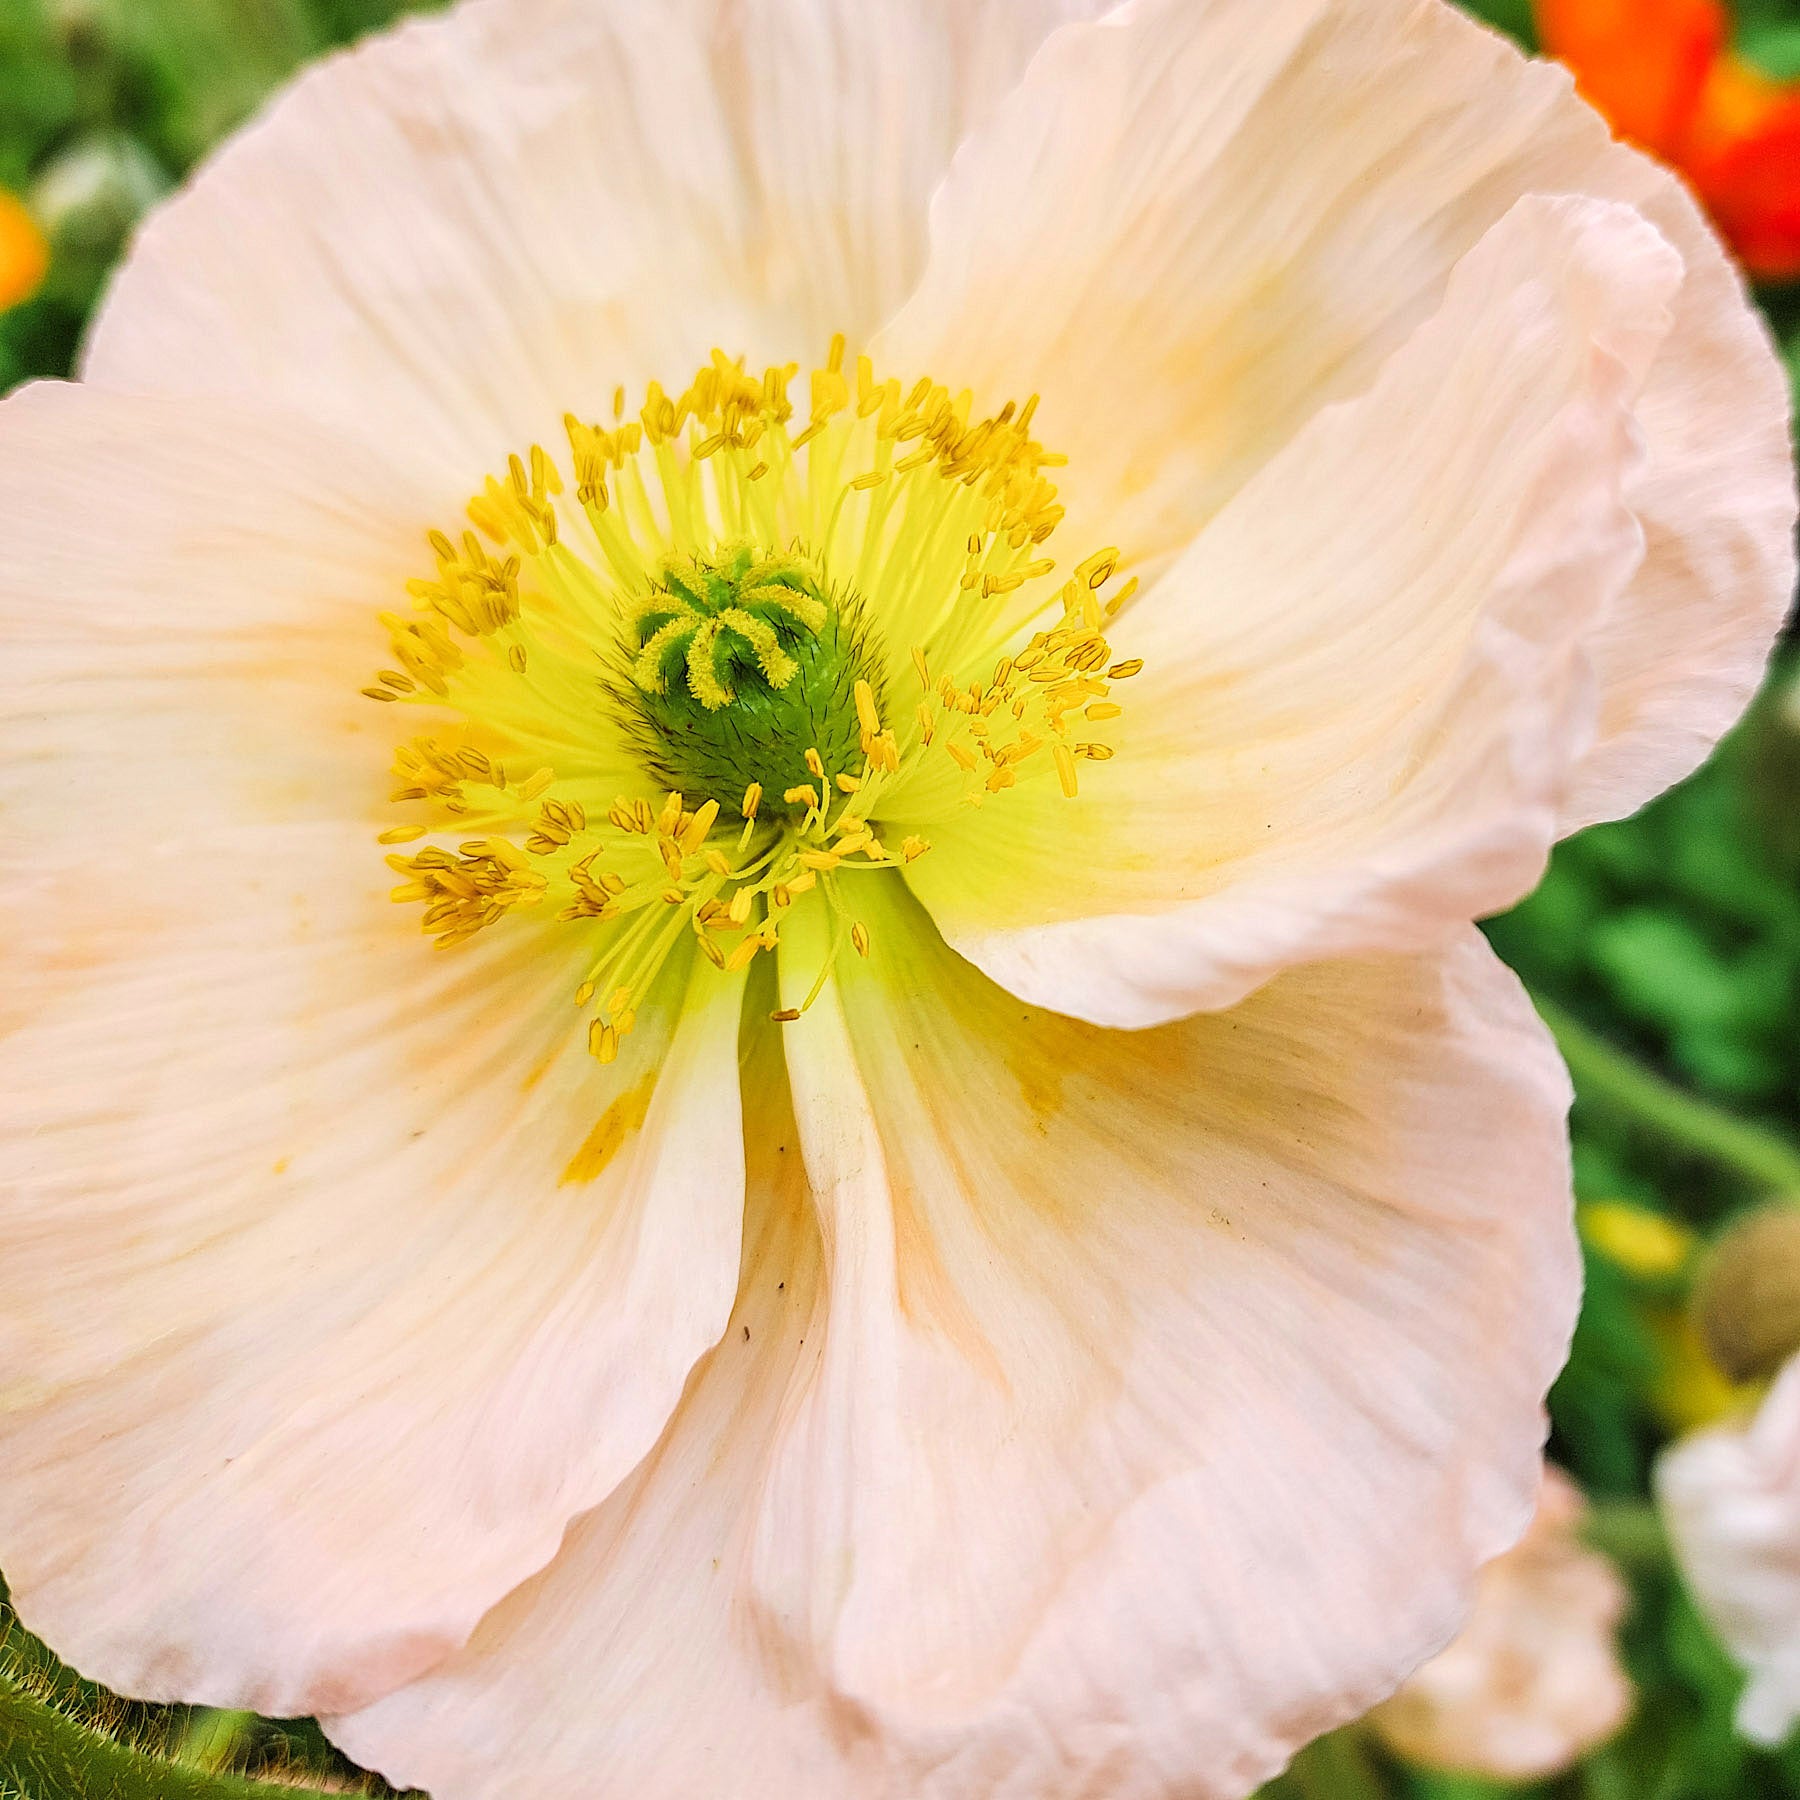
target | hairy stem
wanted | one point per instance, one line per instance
(45, 1755)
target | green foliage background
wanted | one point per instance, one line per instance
(1673, 939)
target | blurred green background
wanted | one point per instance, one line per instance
(1667, 950)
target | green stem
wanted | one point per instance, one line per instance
(212, 1737)
(1608, 1077)
(48, 1756)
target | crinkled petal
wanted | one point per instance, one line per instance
(1190, 229)
(1731, 1498)
(340, 1275)
(1365, 681)
(456, 233)
(1118, 1411)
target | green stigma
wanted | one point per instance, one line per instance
(739, 664)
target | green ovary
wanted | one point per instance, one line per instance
(736, 665)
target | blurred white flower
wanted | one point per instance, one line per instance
(1533, 1681)
(1730, 1496)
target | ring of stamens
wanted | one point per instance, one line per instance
(664, 691)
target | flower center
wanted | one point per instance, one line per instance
(740, 660)
(741, 664)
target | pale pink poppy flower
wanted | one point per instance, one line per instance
(1090, 1348)
(1730, 1496)
(1533, 1681)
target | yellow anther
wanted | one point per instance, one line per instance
(694, 833)
(866, 713)
(1095, 571)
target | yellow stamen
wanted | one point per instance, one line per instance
(845, 510)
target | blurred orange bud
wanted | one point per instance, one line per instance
(24, 252)
(1643, 63)
(1743, 156)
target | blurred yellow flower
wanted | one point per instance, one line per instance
(1649, 1245)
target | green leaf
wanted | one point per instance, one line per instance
(209, 63)
(1775, 49)
(1511, 16)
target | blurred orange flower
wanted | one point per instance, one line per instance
(24, 255)
(1664, 73)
